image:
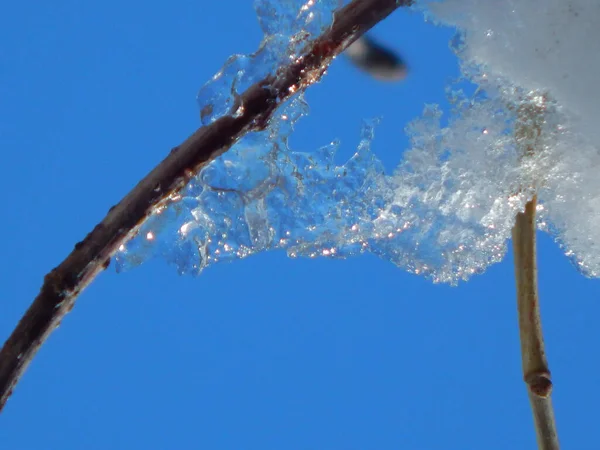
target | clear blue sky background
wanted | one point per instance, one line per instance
(264, 353)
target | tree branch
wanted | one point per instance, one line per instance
(535, 365)
(92, 255)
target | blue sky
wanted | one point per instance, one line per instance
(267, 352)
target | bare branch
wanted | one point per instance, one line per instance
(92, 255)
(535, 365)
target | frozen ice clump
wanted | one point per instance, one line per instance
(550, 45)
(448, 209)
(553, 47)
(570, 197)
(457, 190)
(287, 25)
(293, 17)
(260, 195)
(446, 213)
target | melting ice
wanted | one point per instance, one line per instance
(448, 209)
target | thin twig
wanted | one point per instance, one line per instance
(535, 365)
(528, 133)
(92, 255)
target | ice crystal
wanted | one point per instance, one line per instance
(448, 209)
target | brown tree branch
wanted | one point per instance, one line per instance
(92, 255)
(535, 365)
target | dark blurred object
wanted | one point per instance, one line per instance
(379, 62)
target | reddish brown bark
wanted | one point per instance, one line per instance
(92, 255)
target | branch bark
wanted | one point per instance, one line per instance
(535, 365)
(64, 283)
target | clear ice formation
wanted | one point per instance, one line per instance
(447, 210)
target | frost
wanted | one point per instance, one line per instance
(549, 45)
(446, 222)
(447, 210)
(570, 196)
